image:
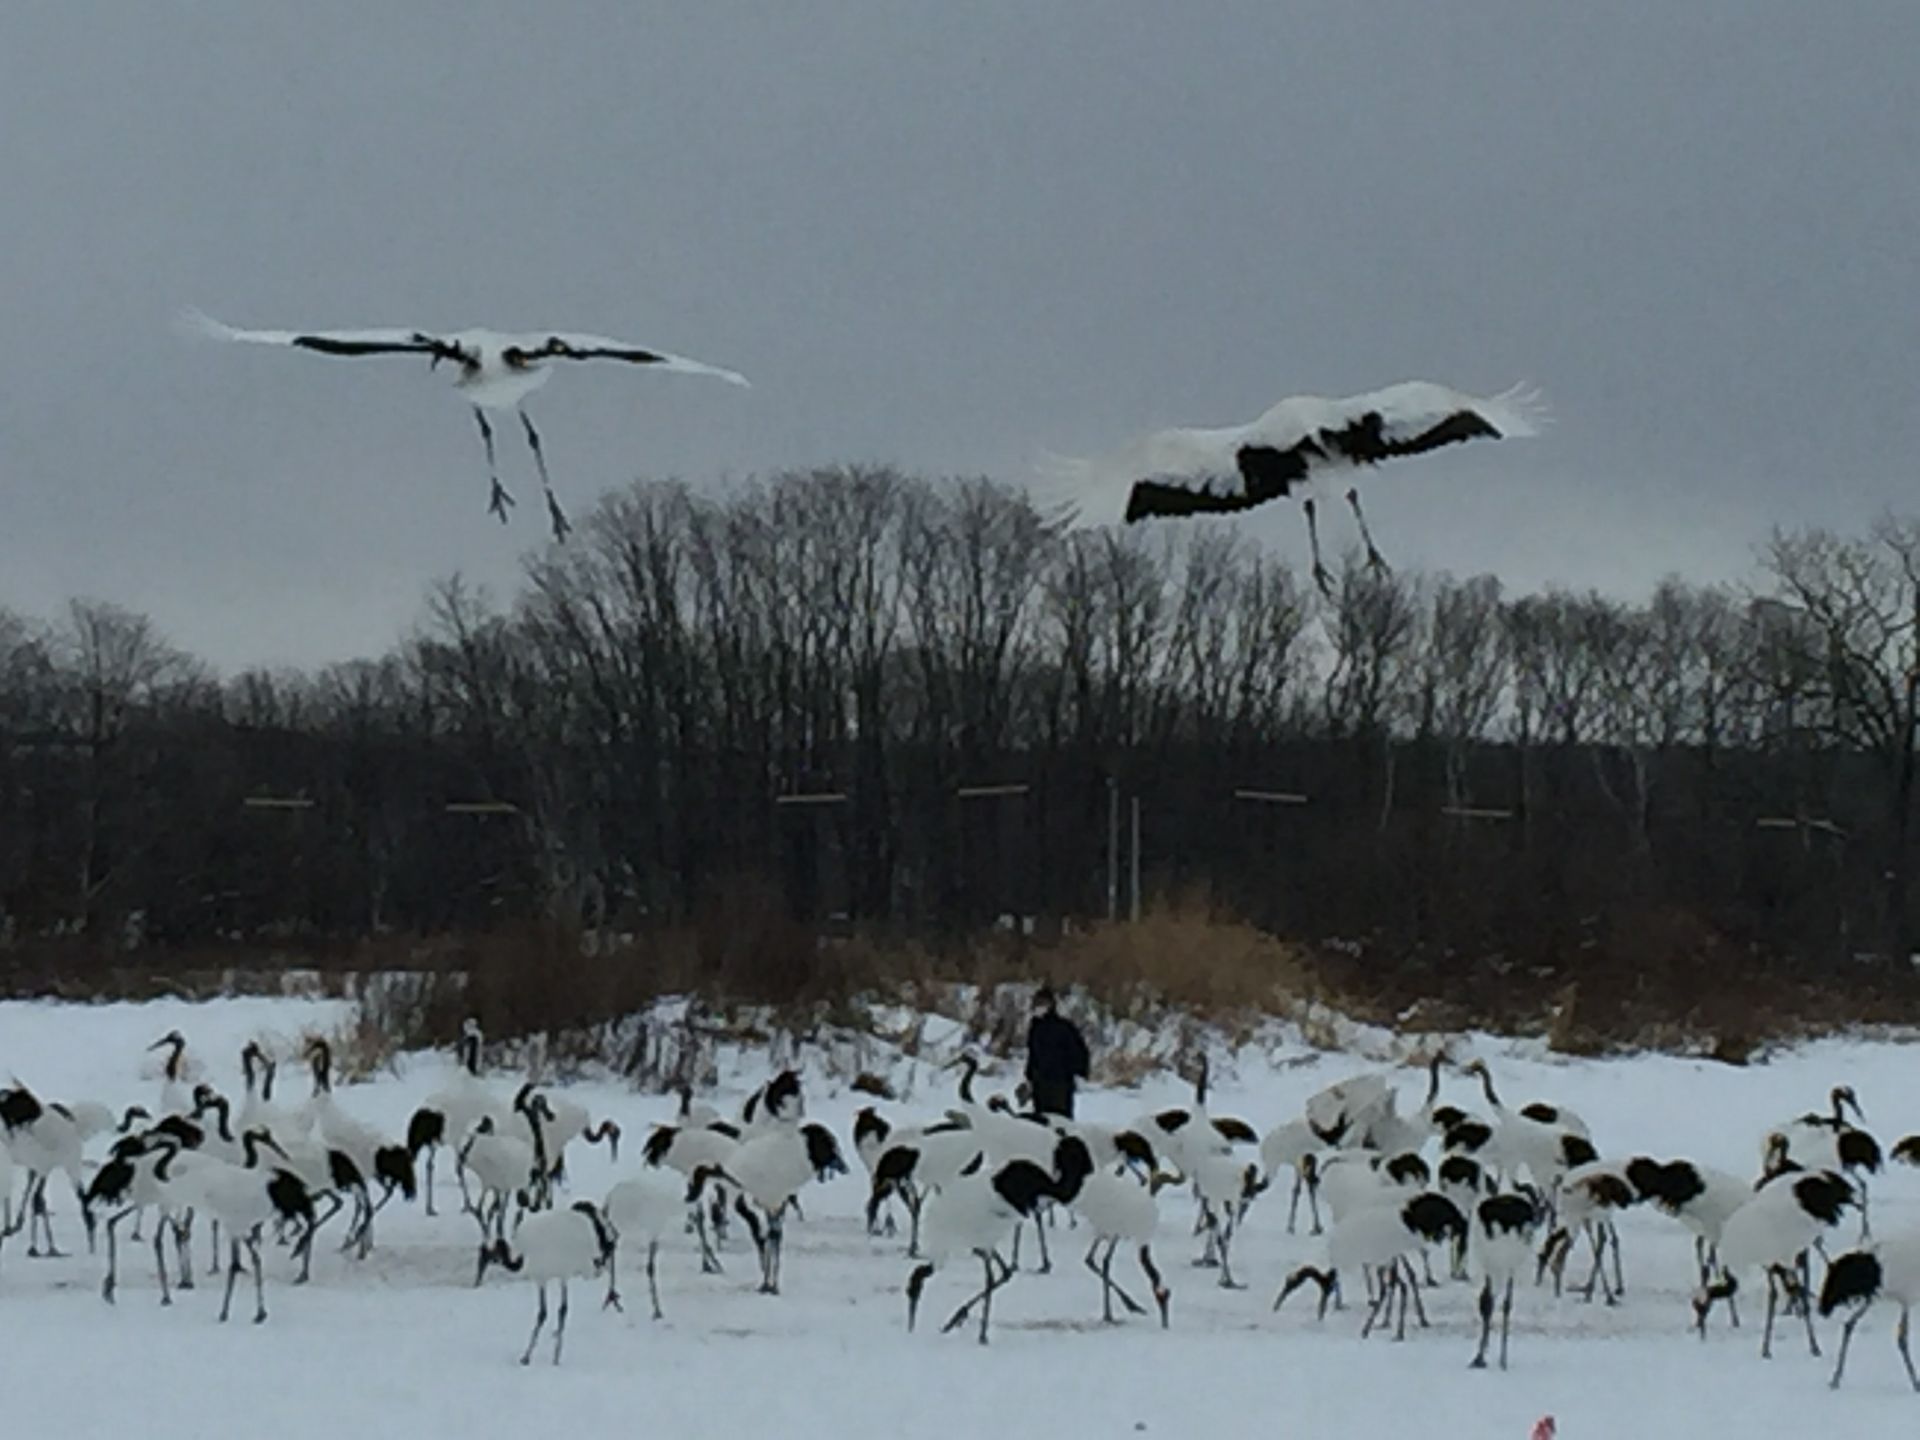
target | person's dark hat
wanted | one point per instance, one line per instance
(1044, 996)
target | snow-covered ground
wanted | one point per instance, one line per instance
(402, 1344)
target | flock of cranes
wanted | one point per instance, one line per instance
(1403, 1201)
(1304, 447)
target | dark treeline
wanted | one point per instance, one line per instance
(1517, 776)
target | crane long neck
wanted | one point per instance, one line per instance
(602, 1232)
(539, 1138)
(606, 1132)
(1433, 1082)
(1072, 1164)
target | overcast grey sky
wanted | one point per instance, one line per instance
(945, 235)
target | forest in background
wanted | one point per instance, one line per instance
(853, 703)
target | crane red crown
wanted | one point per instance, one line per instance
(1544, 1429)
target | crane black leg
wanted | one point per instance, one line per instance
(613, 1300)
(113, 1257)
(259, 1280)
(233, 1274)
(1106, 1282)
(1161, 1295)
(539, 1320)
(183, 1250)
(959, 1317)
(561, 528)
(1321, 577)
(1806, 1313)
(1374, 557)
(160, 1257)
(1109, 1287)
(709, 1262)
(776, 1238)
(500, 501)
(1227, 1282)
(986, 1307)
(1846, 1341)
(1773, 1300)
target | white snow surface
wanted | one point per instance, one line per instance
(403, 1344)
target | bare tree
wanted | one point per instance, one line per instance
(1463, 672)
(1272, 662)
(110, 664)
(859, 513)
(973, 556)
(648, 692)
(1863, 597)
(1372, 626)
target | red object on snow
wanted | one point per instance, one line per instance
(1544, 1428)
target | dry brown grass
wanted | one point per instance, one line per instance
(1658, 979)
(1188, 954)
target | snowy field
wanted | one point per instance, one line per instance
(402, 1344)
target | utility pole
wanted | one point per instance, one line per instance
(1017, 902)
(1136, 858)
(1807, 825)
(1113, 849)
(801, 845)
(296, 806)
(1284, 799)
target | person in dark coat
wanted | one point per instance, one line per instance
(1056, 1057)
